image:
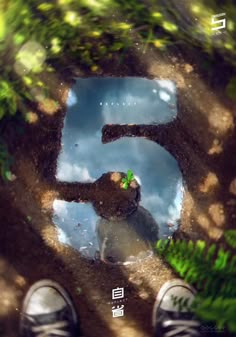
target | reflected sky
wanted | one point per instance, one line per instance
(94, 102)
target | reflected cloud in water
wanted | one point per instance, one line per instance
(92, 103)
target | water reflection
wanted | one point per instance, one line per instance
(92, 103)
(127, 240)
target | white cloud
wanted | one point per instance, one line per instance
(60, 208)
(72, 99)
(166, 84)
(174, 209)
(152, 201)
(62, 237)
(73, 172)
(164, 96)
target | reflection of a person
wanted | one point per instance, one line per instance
(128, 239)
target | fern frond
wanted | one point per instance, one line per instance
(220, 310)
(213, 273)
(230, 237)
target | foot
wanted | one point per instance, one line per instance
(48, 312)
(171, 319)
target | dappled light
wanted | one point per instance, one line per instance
(220, 121)
(72, 18)
(79, 202)
(11, 285)
(30, 57)
(216, 148)
(31, 117)
(49, 106)
(48, 198)
(217, 214)
(208, 227)
(209, 184)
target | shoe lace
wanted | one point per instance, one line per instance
(48, 330)
(182, 328)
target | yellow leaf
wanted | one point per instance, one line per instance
(94, 68)
(2, 26)
(45, 6)
(169, 26)
(159, 43)
(72, 18)
(157, 15)
(124, 25)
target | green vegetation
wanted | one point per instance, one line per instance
(212, 271)
(39, 38)
(5, 163)
(127, 180)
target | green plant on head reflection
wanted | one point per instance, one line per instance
(126, 181)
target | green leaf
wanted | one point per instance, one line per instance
(2, 112)
(161, 245)
(2, 26)
(221, 261)
(199, 248)
(232, 265)
(170, 27)
(8, 175)
(125, 186)
(45, 6)
(18, 38)
(130, 175)
(231, 88)
(210, 252)
(230, 237)
(117, 46)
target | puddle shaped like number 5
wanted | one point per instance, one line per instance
(93, 103)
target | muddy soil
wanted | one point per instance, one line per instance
(202, 139)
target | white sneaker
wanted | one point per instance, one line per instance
(48, 312)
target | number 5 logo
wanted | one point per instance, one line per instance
(98, 138)
(219, 24)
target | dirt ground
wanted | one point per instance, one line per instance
(202, 139)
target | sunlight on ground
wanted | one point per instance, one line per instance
(31, 117)
(196, 96)
(220, 120)
(209, 227)
(146, 277)
(209, 184)
(216, 211)
(217, 147)
(10, 284)
(49, 106)
(48, 198)
(124, 328)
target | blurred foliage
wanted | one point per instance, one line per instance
(212, 271)
(5, 162)
(230, 237)
(231, 88)
(39, 37)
